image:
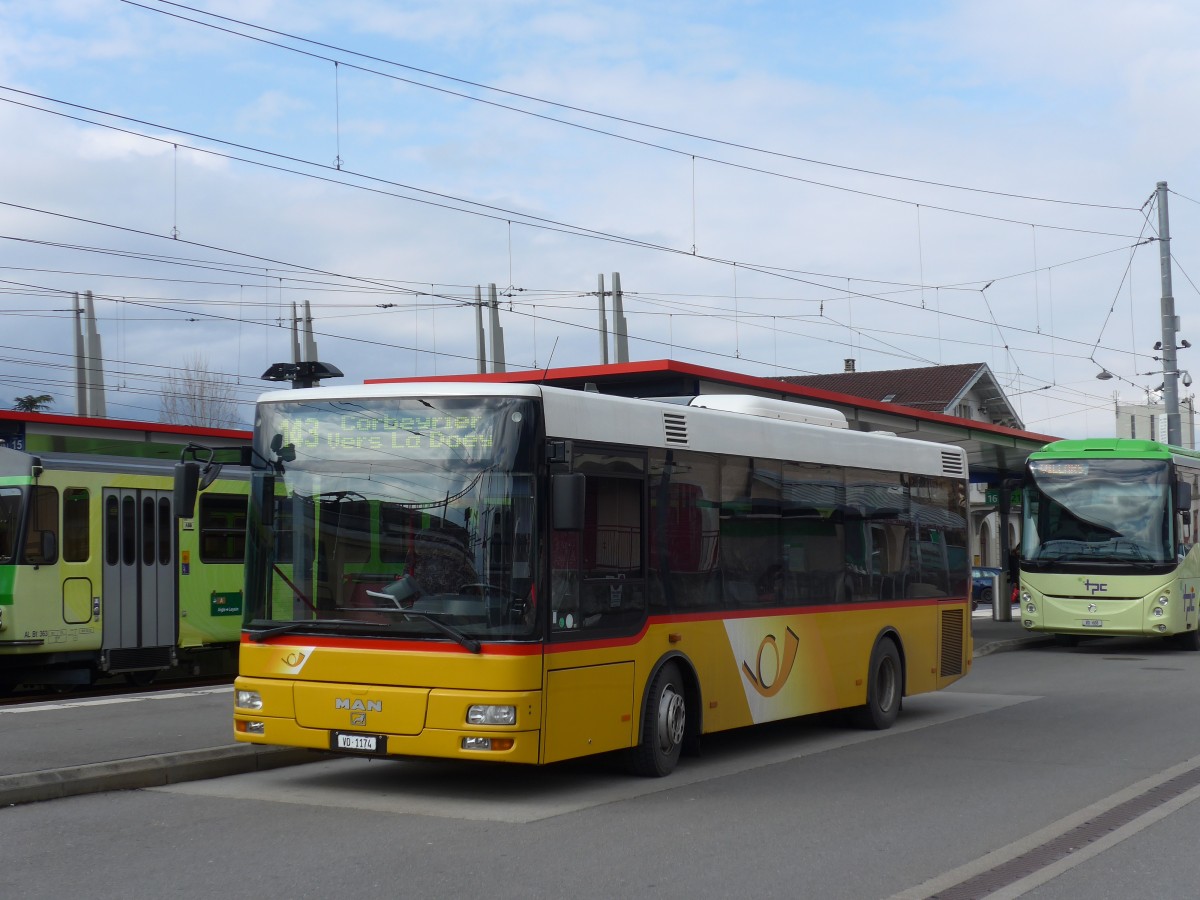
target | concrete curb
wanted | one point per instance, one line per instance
(1012, 644)
(148, 771)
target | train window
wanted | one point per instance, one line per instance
(10, 516)
(41, 530)
(128, 531)
(164, 531)
(76, 525)
(222, 528)
(148, 531)
(112, 531)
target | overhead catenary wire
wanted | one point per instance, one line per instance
(578, 109)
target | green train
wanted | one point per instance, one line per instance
(98, 576)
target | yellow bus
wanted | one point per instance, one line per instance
(528, 574)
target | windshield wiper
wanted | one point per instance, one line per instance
(261, 636)
(457, 636)
(453, 633)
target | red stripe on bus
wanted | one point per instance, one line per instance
(601, 643)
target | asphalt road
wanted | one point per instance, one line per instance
(972, 791)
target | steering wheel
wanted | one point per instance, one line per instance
(516, 606)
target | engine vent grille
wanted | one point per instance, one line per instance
(675, 428)
(952, 464)
(952, 642)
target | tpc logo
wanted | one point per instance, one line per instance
(1095, 587)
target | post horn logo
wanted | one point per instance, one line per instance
(769, 684)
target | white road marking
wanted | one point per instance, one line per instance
(1019, 847)
(521, 794)
(108, 701)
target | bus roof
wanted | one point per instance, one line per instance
(1114, 448)
(753, 429)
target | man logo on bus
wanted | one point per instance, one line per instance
(767, 684)
(1095, 587)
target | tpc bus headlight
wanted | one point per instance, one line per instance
(248, 700)
(487, 714)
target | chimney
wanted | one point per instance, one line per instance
(849, 365)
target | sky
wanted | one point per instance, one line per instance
(781, 186)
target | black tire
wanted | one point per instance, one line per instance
(985, 596)
(664, 723)
(1067, 640)
(1187, 640)
(885, 688)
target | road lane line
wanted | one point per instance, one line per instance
(108, 701)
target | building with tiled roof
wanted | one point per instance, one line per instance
(965, 390)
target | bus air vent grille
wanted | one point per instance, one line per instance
(675, 427)
(952, 642)
(952, 464)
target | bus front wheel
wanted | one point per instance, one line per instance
(1188, 640)
(885, 681)
(663, 724)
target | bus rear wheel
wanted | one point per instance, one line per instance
(663, 725)
(885, 687)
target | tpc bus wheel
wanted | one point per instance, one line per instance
(663, 725)
(884, 688)
(1187, 640)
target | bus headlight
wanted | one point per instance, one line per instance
(1159, 612)
(248, 700)
(489, 714)
(2, 625)
(1163, 601)
(1026, 596)
(1030, 606)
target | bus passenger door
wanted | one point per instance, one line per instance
(139, 579)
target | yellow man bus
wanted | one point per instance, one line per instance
(529, 574)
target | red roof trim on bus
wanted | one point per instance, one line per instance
(675, 367)
(121, 424)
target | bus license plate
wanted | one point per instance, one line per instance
(1093, 623)
(358, 743)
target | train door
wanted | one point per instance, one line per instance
(139, 580)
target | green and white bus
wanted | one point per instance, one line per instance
(1108, 546)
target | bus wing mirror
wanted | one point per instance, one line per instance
(208, 475)
(1183, 496)
(187, 486)
(568, 489)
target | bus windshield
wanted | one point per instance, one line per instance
(1112, 511)
(400, 517)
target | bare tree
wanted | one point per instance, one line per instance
(33, 402)
(195, 395)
